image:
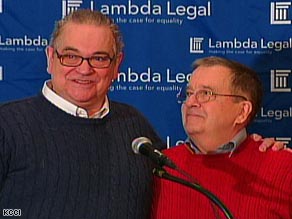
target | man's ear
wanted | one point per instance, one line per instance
(50, 56)
(118, 61)
(246, 109)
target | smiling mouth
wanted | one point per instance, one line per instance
(84, 81)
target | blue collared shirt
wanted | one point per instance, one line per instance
(69, 107)
(229, 147)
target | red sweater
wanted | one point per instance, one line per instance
(251, 184)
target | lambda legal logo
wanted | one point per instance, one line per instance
(1, 73)
(69, 6)
(280, 80)
(1, 6)
(196, 45)
(285, 140)
(280, 13)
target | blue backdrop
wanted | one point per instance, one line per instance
(162, 39)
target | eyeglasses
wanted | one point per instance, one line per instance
(202, 95)
(101, 60)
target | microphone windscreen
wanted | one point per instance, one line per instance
(137, 142)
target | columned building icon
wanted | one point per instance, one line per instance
(196, 45)
(280, 12)
(279, 81)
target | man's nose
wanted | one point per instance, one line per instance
(192, 101)
(85, 67)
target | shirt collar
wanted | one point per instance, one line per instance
(69, 107)
(229, 147)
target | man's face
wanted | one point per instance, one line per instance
(83, 85)
(216, 118)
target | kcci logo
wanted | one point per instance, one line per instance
(11, 212)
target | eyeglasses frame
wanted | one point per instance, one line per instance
(212, 93)
(60, 57)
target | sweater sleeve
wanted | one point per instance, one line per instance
(3, 168)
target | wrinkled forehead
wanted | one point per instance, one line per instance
(87, 37)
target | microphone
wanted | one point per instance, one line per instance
(143, 145)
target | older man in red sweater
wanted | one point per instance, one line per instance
(219, 102)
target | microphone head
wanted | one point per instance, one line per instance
(137, 142)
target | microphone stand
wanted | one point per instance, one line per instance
(162, 173)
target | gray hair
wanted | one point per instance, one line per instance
(87, 16)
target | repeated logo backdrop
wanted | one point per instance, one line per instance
(162, 40)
